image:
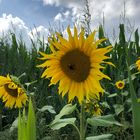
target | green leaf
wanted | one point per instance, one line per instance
(129, 101)
(14, 125)
(15, 79)
(132, 66)
(130, 109)
(107, 120)
(30, 83)
(47, 108)
(137, 41)
(138, 100)
(135, 104)
(19, 127)
(125, 93)
(122, 35)
(62, 123)
(105, 104)
(133, 77)
(118, 108)
(112, 95)
(101, 32)
(101, 137)
(31, 123)
(22, 129)
(66, 110)
(57, 123)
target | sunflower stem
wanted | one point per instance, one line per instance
(77, 129)
(135, 104)
(23, 74)
(82, 122)
(0, 117)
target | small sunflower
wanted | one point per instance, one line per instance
(11, 93)
(93, 108)
(120, 84)
(97, 110)
(138, 64)
(76, 64)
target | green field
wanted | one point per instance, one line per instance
(120, 107)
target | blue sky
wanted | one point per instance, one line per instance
(25, 14)
(41, 12)
(32, 12)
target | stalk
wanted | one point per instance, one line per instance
(135, 104)
(0, 117)
(82, 122)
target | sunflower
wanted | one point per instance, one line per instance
(97, 111)
(93, 108)
(76, 64)
(120, 84)
(11, 93)
(138, 64)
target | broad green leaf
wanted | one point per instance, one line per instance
(125, 93)
(62, 123)
(101, 137)
(31, 123)
(66, 110)
(129, 101)
(107, 120)
(118, 108)
(135, 104)
(47, 108)
(19, 127)
(22, 130)
(14, 125)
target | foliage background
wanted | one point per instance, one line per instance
(16, 59)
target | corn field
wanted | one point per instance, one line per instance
(116, 120)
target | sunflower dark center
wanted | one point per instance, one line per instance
(12, 92)
(76, 65)
(120, 84)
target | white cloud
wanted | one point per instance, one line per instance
(70, 3)
(8, 24)
(111, 9)
(40, 33)
(58, 17)
(66, 14)
(51, 2)
(63, 16)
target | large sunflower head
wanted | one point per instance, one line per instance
(76, 64)
(12, 93)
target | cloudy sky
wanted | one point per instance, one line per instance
(27, 14)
